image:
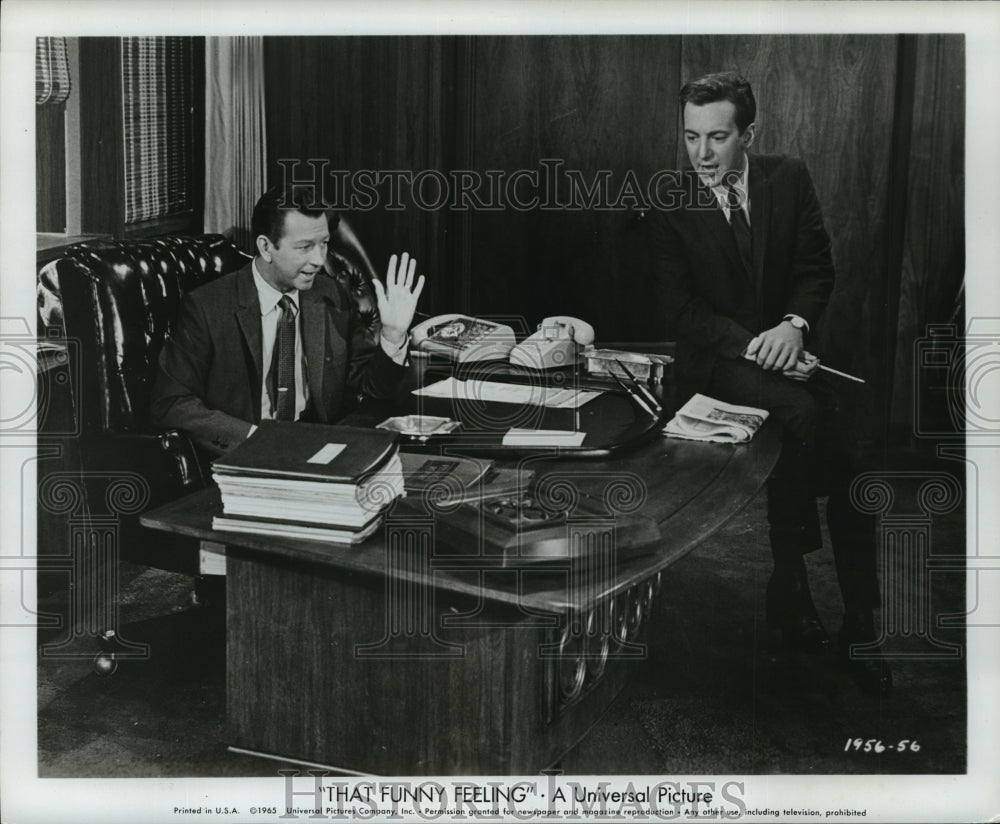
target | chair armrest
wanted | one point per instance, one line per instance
(166, 459)
(178, 446)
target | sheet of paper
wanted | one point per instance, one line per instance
(498, 392)
(327, 453)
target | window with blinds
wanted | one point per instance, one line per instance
(158, 110)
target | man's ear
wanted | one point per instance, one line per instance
(749, 133)
(264, 247)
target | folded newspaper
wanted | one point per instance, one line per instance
(706, 419)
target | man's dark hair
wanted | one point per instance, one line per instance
(722, 86)
(269, 213)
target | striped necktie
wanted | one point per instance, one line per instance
(283, 363)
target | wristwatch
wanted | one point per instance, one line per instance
(797, 322)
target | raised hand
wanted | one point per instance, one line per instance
(397, 299)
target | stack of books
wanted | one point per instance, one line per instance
(315, 481)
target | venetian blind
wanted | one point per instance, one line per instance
(51, 70)
(157, 108)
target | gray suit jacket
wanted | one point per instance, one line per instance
(210, 375)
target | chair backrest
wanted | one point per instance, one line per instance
(118, 300)
(348, 263)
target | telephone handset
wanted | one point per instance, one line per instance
(463, 339)
(558, 342)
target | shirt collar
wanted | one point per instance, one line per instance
(740, 185)
(267, 294)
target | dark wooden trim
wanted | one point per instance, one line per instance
(458, 125)
(197, 161)
(886, 294)
(101, 138)
(50, 167)
(49, 246)
(185, 223)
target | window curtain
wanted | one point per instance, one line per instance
(51, 70)
(235, 170)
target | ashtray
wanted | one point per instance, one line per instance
(420, 427)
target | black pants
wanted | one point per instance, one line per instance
(817, 459)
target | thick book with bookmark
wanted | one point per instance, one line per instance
(309, 452)
(332, 477)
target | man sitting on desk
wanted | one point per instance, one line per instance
(278, 339)
(743, 269)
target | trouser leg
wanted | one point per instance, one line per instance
(815, 459)
(852, 535)
(792, 515)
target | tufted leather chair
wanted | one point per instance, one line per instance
(349, 264)
(117, 301)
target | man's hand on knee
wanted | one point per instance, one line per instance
(778, 348)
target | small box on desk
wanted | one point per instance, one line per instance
(650, 368)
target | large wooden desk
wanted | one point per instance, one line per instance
(415, 653)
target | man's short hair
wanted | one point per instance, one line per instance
(722, 86)
(269, 213)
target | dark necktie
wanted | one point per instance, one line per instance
(741, 229)
(283, 363)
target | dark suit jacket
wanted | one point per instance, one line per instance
(712, 305)
(209, 381)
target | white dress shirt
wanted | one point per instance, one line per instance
(269, 314)
(741, 187)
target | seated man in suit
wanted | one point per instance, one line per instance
(278, 339)
(743, 268)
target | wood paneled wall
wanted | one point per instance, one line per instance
(369, 103)
(933, 262)
(844, 104)
(599, 106)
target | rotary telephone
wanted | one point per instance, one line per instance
(463, 339)
(558, 341)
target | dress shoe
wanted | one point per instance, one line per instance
(789, 608)
(872, 675)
